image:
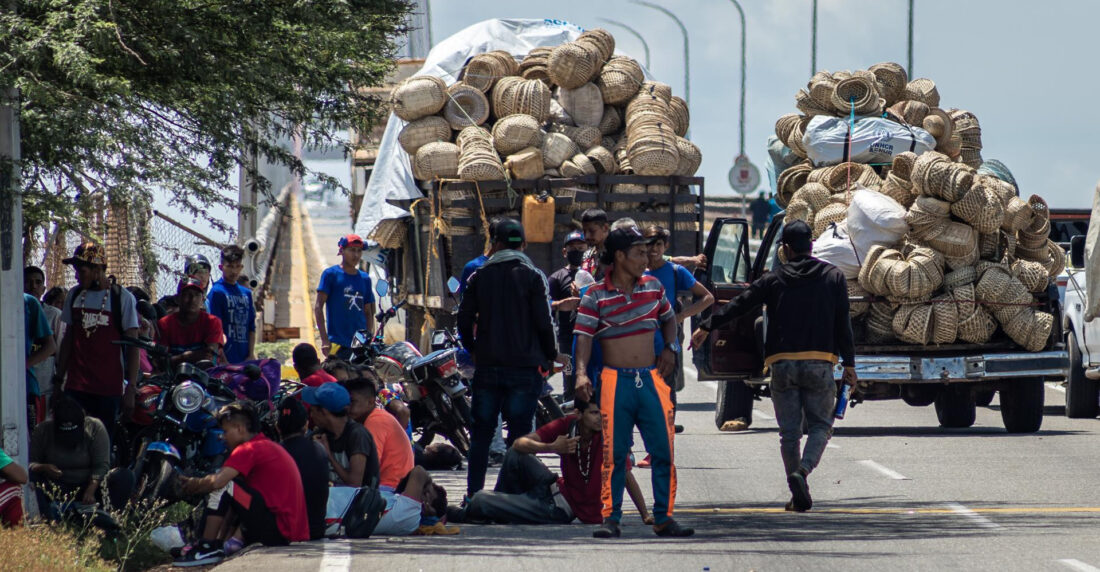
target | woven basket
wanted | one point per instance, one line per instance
(939, 125)
(517, 95)
(913, 323)
(600, 38)
(661, 90)
(516, 132)
(799, 210)
(1018, 215)
(869, 263)
(808, 106)
(814, 194)
(964, 261)
(927, 217)
(923, 90)
(880, 322)
(858, 92)
(525, 164)
(945, 319)
(918, 275)
(856, 291)
(537, 73)
(573, 64)
(981, 208)
(959, 277)
(909, 112)
(1030, 329)
(557, 149)
(1057, 259)
(1033, 275)
(790, 181)
(480, 166)
(437, 160)
(679, 115)
(977, 327)
(418, 96)
(425, 130)
(619, 80)
(1037, 231)
(898, 189)
(652, 151)
(466, 106)
(794, 141)
(584, 104)
(785, 124)
(603, 160)
(483, 70)
(956, 240)
(536, 57)
(578, 166)
(390, 233)
(690, 157)
(584, 137)
(611, 121)
(846, 176)
(891, 78)
(831, 213)
(474, 135)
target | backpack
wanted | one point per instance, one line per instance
(364, 513)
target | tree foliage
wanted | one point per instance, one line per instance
(128, 98)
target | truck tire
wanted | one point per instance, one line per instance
(1082, 394)
(955, 407)
(983, 397)
(919, 394)
(734, 400)
(1022, 405)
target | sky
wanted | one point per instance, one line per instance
(1026, 70)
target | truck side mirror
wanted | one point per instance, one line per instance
(1077, 251)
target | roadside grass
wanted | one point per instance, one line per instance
(45, 547)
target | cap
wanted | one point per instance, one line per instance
(509, 231)
(331, 396)
(350, 240)
(621, 239)
(798, 236)
(575, 236)
(189, 282)
(88, 253)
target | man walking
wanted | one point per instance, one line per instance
(808, 329)
(507, 300)
(345, 301)
(622, 312)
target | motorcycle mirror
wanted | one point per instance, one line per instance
(382, 288)
(452, 285)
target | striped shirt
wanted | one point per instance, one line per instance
(607, 313)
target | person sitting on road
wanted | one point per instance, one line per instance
(257, 494)
(395, 456)
(311, 458)
(389, 395)
(528, 493)
(12, 478)
(70, 454)
(308, 365)
(191, 334)
(352, 456)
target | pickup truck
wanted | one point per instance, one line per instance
(954, 377)
(1082, 339)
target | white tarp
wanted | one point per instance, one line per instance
(1092, 260)
(392, 177)
(873, 140)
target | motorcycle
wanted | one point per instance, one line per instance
(178, 430)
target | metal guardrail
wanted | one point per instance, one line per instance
(260, 249)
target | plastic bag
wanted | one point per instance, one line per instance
(834, 247)
(245, 386)
(874, 140)
(874, 218)
(166, 538)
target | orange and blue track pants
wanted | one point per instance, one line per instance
(630, 397)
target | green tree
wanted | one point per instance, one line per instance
(127, 98)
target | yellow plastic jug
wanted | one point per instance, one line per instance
(538, 219)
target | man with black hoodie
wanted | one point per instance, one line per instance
(508, 301)
(808, 329)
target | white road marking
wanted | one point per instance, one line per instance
(971, 515)
(884, 470)
(761, 414)
(831, 446)
(337, 556)
(1056, 386)
(711, 384)
(1077, 565)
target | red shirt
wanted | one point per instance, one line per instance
(582, 495)
(270, 470)
(180, 337)
(395, 454)
(317, 378)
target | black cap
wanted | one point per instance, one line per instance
(509, 231)
(798, 236)
(621, 239)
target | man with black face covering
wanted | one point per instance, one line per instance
(564, 301)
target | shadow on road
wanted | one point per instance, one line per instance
(941, 432)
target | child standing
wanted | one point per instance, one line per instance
(232, 303)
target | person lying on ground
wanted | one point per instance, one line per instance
(415, 501)
(528, 493)
(256, 496)
(352, 456)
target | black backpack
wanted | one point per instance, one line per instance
(364, 513)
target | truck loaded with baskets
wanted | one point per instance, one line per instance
(530, 119)
(949, 270)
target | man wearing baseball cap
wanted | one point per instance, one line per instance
(352, 456)
(345, 301)
(507, 300)
(808, 331)
(191, 334)
(563, 301)
(98, 313)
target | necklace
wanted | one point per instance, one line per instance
(585, 467)
(91, 322)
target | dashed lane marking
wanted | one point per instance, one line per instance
(971, 515)
(884, 470)
(1078, 565)
(337, 556)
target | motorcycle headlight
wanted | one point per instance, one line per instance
(359, 340)
(188, 397)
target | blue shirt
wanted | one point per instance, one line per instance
(674, 278)
(37, 327)
(232, 304)
(348, 295)
(468, 270)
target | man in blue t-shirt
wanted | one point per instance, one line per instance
(345, 301)
(39, 346)
(232, 304)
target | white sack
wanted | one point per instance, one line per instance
(874, 218)
(834, 247)
(584, 104)
(874, 140)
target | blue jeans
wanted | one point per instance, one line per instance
(803, 389)
(510, 392)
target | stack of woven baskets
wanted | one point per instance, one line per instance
(977, 257)
(579, 107)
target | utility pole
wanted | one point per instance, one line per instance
(687, 48)
(909, 68)
(813, 39)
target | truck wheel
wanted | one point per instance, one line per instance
(1082, 397)
(983, 397)
(735, 400)
(1022, 405)
(955, 406)
(919, 395)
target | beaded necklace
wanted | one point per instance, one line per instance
(88, 331)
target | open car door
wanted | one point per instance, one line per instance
(732, 351)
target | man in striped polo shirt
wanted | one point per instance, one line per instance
(623, 311)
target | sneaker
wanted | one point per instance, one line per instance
(678, 428)
(232, 546)
(672, 529)
(181, 551)
(204, 554)
(645, 463)
(734, 425)
(790, 506)
(801, 500)
(609, 529)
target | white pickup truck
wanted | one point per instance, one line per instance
(1082, 339)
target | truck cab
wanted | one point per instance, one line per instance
(954, 377)
(1082, 339)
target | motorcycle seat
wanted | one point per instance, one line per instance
(424, 360)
